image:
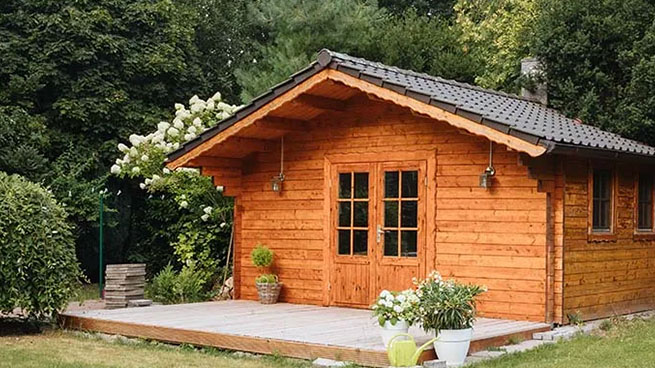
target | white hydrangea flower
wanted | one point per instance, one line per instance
(178, 123)
(136, 170)
(184, 204)
(142, 186)
(183, 114)
(194, 99)
(208, 210)
(197, 122)
(197, 107)
(166, 170)
(216, 97)
(192, 129)
(176, 145)
(223, 224)
(398, 309)
(173, 132)
(179, 106)
(401, 298)
(134, 152)
(123, 148)
(148, 181)
(204, 217)
(384, 293)
(189, 136)
(136, 139)
(163, 126)
(115, 169)
(210, 105)
(145, 158)
(155, 178)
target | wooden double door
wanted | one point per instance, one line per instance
(377, 231)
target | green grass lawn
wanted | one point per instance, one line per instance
(59, 349)
(86, 292)
(624, 344)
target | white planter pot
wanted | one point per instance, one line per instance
(453, 346)
(388, 331)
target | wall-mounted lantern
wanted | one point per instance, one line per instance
(489, 172)
(276, 181)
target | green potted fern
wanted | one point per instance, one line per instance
(268, 284)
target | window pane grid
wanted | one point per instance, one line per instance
(399, 240)
(601, 202)
(352, 193)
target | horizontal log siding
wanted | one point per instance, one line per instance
(604, 278)
(493, 237)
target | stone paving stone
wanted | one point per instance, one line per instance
(523, 346)
(328, 363)
(489, 353)
(436, 363)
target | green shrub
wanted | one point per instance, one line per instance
(261, 256)
(446, 304)
(38, 268)
(267, 278)
(187, 286)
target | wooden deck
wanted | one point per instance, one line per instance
(293, 330)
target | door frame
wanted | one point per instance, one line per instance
(430, 156)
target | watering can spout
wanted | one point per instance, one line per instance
(422, 348)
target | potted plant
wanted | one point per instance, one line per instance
(447, 307)
(268, 285)
(395, 312)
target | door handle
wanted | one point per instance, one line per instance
(379, 233)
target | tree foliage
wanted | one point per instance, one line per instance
(38, 267)
(599, 58)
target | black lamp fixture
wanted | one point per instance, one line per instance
(489, 172)
(276, 181)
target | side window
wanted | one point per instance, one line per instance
(602, 188)
(645, 203)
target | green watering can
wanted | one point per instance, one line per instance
(404, 353)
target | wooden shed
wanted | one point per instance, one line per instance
(385, 174)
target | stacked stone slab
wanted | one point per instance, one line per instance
(124, 282)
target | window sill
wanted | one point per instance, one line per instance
(643, 236)
(601, 237)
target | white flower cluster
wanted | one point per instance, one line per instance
(396, 306)
(145, 157)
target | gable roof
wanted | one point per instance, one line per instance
(506, 113)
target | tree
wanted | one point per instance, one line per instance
(442, 8)
(90, 73)
(497, 33)
(598, 58)
(295, 30)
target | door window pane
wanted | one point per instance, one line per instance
(361, 214)
(391, 184)
(344, 214)
(408, 243)
(344, 185)
(360, 242)
(391, 243)
(391, 214)
(409, 213)
(344, 242)
(361, 185)
(410, 184)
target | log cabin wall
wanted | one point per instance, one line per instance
(494, 237)
(605, 277)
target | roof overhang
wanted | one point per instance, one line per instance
(317, 73)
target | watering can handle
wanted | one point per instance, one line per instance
(399, 335)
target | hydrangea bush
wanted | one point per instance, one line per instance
(208, 213)
(396, 306)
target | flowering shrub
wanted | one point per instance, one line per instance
(206, 213)
(446, 304)
(395, 306)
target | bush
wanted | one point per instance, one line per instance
(38, 268)
(261, 256)
(267, 278)
(187, 286)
